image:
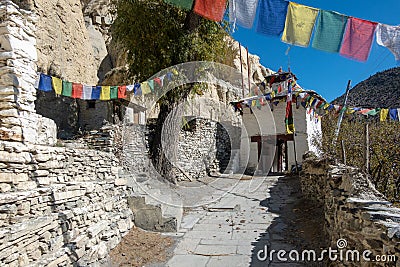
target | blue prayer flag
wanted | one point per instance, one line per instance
(272, 16)
(45, 83)
(96, 90)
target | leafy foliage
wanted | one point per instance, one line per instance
(157, 35)
(384, 149)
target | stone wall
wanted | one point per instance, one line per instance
(354, 209)
(60, 205)
(18, 119)
(204, 147)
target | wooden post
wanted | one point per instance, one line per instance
(248, 68)
(295, 153)
(366, 148)
(241, 68)
(342, 113)
(343, 152)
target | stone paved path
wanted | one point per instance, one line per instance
(232, 230)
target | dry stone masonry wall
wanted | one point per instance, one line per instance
(19, 121)
(204, 148)
(60, 205)
(354, 210)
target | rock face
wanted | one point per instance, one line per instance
(63, 45)
(354, 210)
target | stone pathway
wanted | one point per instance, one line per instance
(231, 231)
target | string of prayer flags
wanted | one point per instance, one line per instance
(358, 39)
(389, 37)
(272, 16)
(243, 12)
(45, 83)
(184, 4)
(210, 9)
(67, 88)
(329, 31)
(77, 89)
(299, 24)
(57, 85)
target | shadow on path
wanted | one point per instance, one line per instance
(297, 225)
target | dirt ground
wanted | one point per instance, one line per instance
(141, 248)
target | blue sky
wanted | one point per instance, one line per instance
(326, 73)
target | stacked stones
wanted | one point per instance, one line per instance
(17, 71)
(60, 205)
(354, 209)
(102, 139)
(203, 149)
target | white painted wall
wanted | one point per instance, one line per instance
(263, 122)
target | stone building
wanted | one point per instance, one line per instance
(266, 146)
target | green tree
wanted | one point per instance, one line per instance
(155, 36)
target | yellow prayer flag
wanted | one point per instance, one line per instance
(299, 24)
(105, 93)
(384, 113)
(145, 88)
(57, 85)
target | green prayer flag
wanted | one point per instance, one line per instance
(114, 92)
(66, 88)
(329, 31)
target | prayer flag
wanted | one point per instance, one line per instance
(393, 114)
(45, 83)
(67, 88)
(299, 24)
(289, 112)
(138, 89)
(77, 90)
(57, 85)
(96, 91)
(389, 37)
(384, 114)
(272, 16)
(122, 91)
(105, 93)
(114, 92)
(358, 38)
(243, 12)
(184, 4)
(151, 85)
(87, 92)
(145, 88)
(210, 9)
(329, 31)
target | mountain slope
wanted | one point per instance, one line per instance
(378, 91)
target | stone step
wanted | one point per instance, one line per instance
(155, 205)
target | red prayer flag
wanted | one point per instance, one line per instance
(77, 90)
(210, 9)
(358, 39)
(122, 91)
